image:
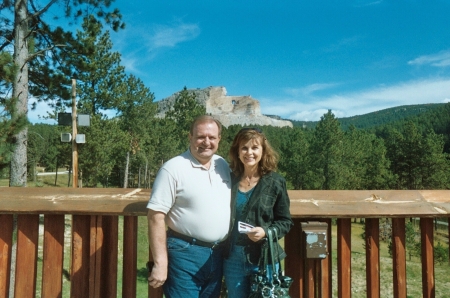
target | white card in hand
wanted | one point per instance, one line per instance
(244, 227)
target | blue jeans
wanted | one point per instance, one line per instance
(194, 271)
(238, 271)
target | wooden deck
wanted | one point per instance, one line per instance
(94, 251)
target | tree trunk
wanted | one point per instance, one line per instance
(145, 175)
(139, 177)
(125, 179)
(18, 171)
(56, 176)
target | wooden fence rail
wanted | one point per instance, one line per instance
(95, 229)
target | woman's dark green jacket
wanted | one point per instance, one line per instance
(267, 207)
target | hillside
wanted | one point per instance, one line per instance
(377, 118)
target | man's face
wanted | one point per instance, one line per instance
(204, 141)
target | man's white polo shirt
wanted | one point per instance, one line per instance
(195, 199)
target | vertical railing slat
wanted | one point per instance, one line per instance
(6, 232)
(79, 286)
(110, 253)
(373, 257)
(293, 262)
(344, 257)
(95, 255)
(399, 257)
(26, 260)
(53, 255)
(448, 238)
(325, 290)
(129, 274)
(310, 278)
(427, 238)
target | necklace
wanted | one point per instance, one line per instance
(249, 180)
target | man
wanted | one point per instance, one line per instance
(191, 195)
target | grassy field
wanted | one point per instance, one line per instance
(45, 181)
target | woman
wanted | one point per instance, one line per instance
(260, 199)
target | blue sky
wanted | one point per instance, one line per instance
(298, 58)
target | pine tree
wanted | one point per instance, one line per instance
(183, 112)
(10, 122)
(29, 36)
(326, 153)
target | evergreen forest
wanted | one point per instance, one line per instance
(411, 153)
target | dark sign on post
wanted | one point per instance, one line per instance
(65, 119)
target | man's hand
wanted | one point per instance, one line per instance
(158, 276)
(158, 247)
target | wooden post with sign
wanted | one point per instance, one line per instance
(74, 135)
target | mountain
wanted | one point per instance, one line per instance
(377, 118)
(229, 110)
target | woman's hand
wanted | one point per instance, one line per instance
(256, 234)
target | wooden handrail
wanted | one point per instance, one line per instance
(94, 247)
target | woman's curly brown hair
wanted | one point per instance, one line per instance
(269, 158)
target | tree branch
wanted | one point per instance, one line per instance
(31, 57)
(43, 10)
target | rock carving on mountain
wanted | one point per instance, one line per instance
(229, 110)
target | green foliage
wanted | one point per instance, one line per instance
(7, 71)
(379, 118)
(326, 153)
(37, 55)
(10, 125)
(137, 119)
(182, 114)
(106, 145)
(100, 77)
(294, 158)
(440, 254)
(411, 240)
(418, 160)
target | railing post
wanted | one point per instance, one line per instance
(426, 235)
(26, 261)
(109, 255)
(294, 262)
(53, 255)
(6, 232)
(399, 257)
(130, 239)
(373, 257)
(95, 256)
(325, 289)
(344, 257)
(79, 275)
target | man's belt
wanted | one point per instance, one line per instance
(194, 241)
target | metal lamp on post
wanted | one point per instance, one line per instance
(73, 119)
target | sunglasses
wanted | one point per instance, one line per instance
(258, 130)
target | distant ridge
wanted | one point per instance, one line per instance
(370, 120)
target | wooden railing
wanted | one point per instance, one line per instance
(95, 232)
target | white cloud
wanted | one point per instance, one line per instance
(170, 36)
(309, 89)
(343, 43)
(142, 44)
(311, 108)
(364, 3)
(441, 59)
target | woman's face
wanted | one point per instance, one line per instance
(250, 153)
